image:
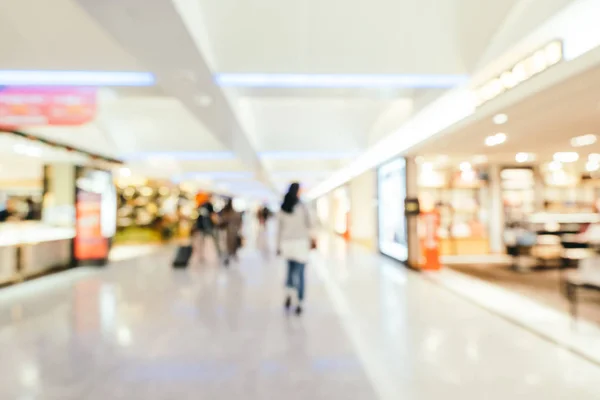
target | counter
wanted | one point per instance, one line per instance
(32, 248)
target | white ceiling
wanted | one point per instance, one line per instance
(544, 123)
(169, 133)
(335, 36)
(57, 35)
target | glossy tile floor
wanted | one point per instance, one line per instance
(372, 330)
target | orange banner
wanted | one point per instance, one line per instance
(430, 241)
(89, 242)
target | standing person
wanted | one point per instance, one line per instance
(206, 227)
(232, 222)
(295, 241)
(263, 216)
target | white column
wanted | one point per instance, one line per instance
(363, 209)
(496, 215)
(412, 191)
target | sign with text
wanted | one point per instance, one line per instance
(46, 106)
(90, 244)
(430, 241)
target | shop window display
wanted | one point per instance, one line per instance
(461, 198)
(152, 211)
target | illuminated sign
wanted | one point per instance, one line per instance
(535, 64)
(26, 106)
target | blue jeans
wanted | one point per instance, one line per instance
(295, 277)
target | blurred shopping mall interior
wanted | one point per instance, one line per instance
(448, 157)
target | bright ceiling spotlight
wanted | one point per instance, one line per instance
(28, 150)
(495, 140)
(566, 157)
(500, 119)
(388, 81)
(124, 172)
(592, 166)
(555, 166)
(584, 140)
(75, 78)
(524, 157)
(594, 157)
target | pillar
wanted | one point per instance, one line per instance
(363, 209)
(496, 212)
(412, 191)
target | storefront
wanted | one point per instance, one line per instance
(341, 211)
(460, 194)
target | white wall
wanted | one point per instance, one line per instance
(363, 208)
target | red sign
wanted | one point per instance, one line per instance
(47, 106)
(89, 242)
(430, 241)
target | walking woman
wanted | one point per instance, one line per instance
(295, 241)
(232, 223)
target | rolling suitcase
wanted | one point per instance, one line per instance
(182, 256)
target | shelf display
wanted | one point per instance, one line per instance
(152, 211)
(518, 193)
(460, 198)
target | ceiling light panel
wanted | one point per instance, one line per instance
(495, 140)
(566, 157)
(75, 78)
(339, 81)
(584, 140)
(180, 155)
(500, 119)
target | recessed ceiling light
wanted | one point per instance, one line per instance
(555, 166)
(592, 166)
(524, 157)
(584, 140)
(594, 157)
(500, 119)
(495, 140)
(124, 172)
(566, 157)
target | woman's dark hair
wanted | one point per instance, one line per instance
(291, 198)
(228, 206)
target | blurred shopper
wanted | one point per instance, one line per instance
(295, 241)
(264, 214)
(206, 228)
(231, 220)
(32, 210)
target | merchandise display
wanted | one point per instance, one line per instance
(32, 248)
(460, 198)
(151, 211)
(392, 220)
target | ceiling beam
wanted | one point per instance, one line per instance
(154, 32)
